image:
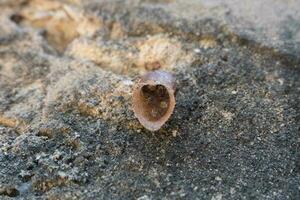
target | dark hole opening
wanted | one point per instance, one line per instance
(17, 18)
(10, 191)
(156, 101)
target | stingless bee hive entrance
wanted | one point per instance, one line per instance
(155, 101)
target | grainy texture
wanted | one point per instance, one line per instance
(67, 130)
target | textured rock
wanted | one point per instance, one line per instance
(67, 130)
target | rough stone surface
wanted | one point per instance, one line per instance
(67, 130)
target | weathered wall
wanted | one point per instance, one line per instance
(67, 129)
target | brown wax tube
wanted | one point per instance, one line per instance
(153, 99)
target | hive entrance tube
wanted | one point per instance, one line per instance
(153, 99)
